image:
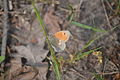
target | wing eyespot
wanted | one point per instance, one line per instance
(64, 33)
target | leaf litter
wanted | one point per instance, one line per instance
(29, 43)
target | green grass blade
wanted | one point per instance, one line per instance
(98, 37)
(2, 58)
(98, 77)
(79, 56)
(70, 17)
(82, 55)
(54, 59)
(87, 27)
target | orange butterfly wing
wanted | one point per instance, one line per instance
(61, 36)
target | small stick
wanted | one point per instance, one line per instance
(5, 28)
(106, 14)
(109, 5)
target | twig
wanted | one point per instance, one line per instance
(109, 5)
(11, 12)
(106, 14)
(5, 29)
(74, 70)
(108, 73)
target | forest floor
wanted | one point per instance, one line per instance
(23, 44)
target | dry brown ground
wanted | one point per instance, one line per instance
(27, 51)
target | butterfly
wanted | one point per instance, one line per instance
(59, 40)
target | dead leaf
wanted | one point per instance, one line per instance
(34, 39)
(26, 73)
(38, 70)
(26, 76)
(16, 65)
(117, 76)
(52, 22)
(33, 53)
